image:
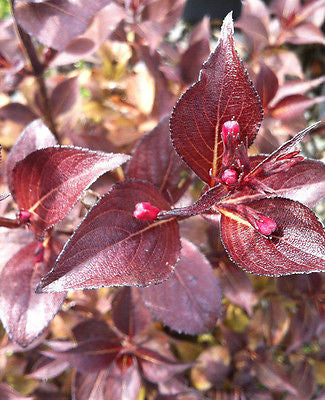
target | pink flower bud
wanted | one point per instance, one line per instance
(24, 216)
(265, 225)
(230, 129)
(39, 253)
(145, 211)
(230, 177)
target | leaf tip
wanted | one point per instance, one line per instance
(227, 28)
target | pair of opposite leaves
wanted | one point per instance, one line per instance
(111, 247)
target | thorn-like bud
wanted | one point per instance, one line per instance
(145, 211)
(39, 253)
(265, 225)
(230, 132)
(230, 177)
(24, 216)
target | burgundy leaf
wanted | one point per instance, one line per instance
(6, 393)
(304, 182)
(297, 286)
(287, 148)
(49, 192)
(92, 329)
(129, 313)
(266, 84)
(102, 24)
(122, 385)
(24, 313)
(305, 34)
(155, 160)
(56, 22)
(204, 203)
(197, 51)
(46, 368)
(293, 106)
(64, 96)
(296, 246)
(128, 251)
(236, 286)
(190, 301)
(292, 87)
(157, 368)
(224, 92)
(303, 379)
(35, 136)
(90, 356)
(18, 113)
(89, 386)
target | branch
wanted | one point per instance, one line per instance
(38, 71)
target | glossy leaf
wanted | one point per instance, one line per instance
(56, 22)
(24, 313)
(35, 136)
(129, 313)
(49, 192)
(297, 245)
(128, 251)
(90, 356)
(64, 96)
(190, 301)
(155, 160)
(223, 92)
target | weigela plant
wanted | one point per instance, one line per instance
(130, 237)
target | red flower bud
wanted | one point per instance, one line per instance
(230, 129)
(24, 216)
(145, 211)
(265, 225)
(39, 253)
(230, 177)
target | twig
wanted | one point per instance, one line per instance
(38, 71)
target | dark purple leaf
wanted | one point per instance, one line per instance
(90, 356)
(122, 385)
(190, 301)
(273, 376)
(266, 84)
(304, 182)
(129, 313)
(236, 286)
(197, 52)
(155, 160)
(224, 92)
(89, 386)
(49, 192)
(35, 136)
(211, 368)
(300, 285)
(303, 379)
(24, 313)
(128, 251)
(157, 368)
(92, 329)
(46, 368)
(56, 22)
(205, 202)
(18, 113)
(296, 246)
(293, 106)
(64, 96)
